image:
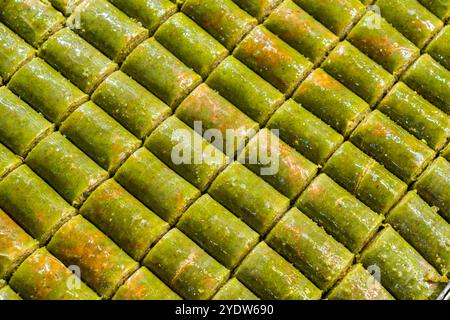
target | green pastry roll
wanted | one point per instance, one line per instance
(402, 270)
(77, 60)
(214, 117)
(258, 8)
(383, 43)
(331, 101)
(14, 52)
(440, 8)
(107, 28)
(301, 31)
(359, 284)
(433, 186)
(439, 48)
(161, 72)
(66, 168)
(43, 277)
(271, 277)
(234, 290)
(273, 59)
(15, 245)
(103, 265)
(245, 89)
(130, 104)
(424, 229)
(218, 231)
(358, 72)
(185, 267)
(446, 152)
(279, 164)
(186, 152)
(342, 215)
(144, 285)
(20, 126)
(418, 116)
(249, 197)
(50, 93)
(8, 161)
(157, 186)
(410, 18)
(305, 132)
(379, 189)
(191, 44)
(8, 294)
(391, 145)
(315, 253)
(33, 204)
(150, 13)
(337, 15)
(100, 136)
(34, 21)
(65, 6)
(123, 218)
(224, 20)
(431, 80)
(362, 176)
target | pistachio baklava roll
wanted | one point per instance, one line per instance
(186, 152)
(359, 284)
(301, 31)
(43, 277)
(271, 277)
(342, 215)
(144, 285)
(133, 106)
(77, 60)
(391, 145)
(364, 177)
(191, 44)
(306, 133)
(234, 290)
(402, 270)
(218, 231)
(433, 186)
(124, 219)
(15, 245)
(107, 28)
(358, 72)
(34, 21)
(14, 52)
(157, 69)
(33, 203)
(156, 185)
(273, 59)
(51, 94)
(99, 136)
(224, 20)
(66, 168)
(191, 272)
(21, 127)
(245, 89)
(103, 265)
(249, 197)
